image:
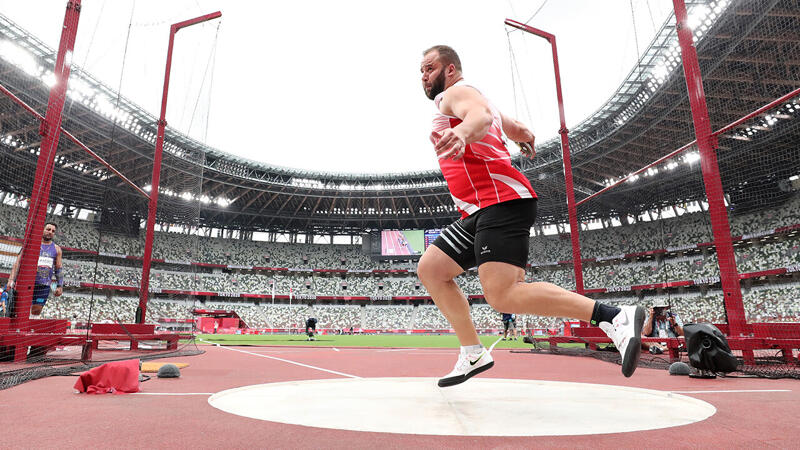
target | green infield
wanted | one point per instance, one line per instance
(359, 340)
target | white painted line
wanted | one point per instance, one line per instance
(286, 361)
(731, 391)
(173, 393)
(275, 351)
(335, 349)
(495, 343)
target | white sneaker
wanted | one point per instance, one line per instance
(626, 332)
(467, 366)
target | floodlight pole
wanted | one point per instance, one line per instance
(564, 132)
(153, 204)
(50, 130)
(707, 145)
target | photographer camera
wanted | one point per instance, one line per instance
(661, 322)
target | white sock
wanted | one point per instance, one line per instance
(467, 349)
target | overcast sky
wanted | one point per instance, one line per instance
(335, 85)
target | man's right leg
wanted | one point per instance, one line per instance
(437, 272)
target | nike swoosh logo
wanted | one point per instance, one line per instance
(472, 363)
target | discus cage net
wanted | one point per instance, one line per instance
(677, 206)
(76, 154)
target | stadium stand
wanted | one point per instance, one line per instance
(753, 255)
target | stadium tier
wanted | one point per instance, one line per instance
(229, 267)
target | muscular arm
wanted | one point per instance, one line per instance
(12, 277)
(59, 274)
(516, 130)
(472, 108)
(58, 264)
(677, 325)
(648, 324)
(519, 133)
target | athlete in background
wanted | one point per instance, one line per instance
(509, 321)
(48, 267)
(311, 328)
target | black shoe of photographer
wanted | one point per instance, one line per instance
(656, 350)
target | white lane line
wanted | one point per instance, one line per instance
(731, 391)
(335, 349)
(173, 393)
(419, 352)
(284, 360)
(275, 351)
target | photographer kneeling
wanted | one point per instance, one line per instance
(662, 323)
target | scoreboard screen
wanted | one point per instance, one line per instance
(402, 242)
(430, 236)
(407, 242)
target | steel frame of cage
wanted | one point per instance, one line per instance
(141, 311)
(742, 335)
(20, 331)
(577, 263)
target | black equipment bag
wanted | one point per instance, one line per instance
(708, 349)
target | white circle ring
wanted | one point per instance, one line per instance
(479, 407)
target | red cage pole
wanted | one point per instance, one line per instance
(50, 130)
(707, 144)
(153, 203)
(571, 207)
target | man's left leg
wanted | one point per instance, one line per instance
(505, 289)
(40, 295)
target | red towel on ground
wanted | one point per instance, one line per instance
(120, 377)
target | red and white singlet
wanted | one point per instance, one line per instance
(484, 176)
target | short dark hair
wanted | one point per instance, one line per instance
(55, 225)
(446, 54)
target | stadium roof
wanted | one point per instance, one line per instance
(748, 53)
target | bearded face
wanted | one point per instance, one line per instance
(47, 234)
(436, 86)
(433, 75)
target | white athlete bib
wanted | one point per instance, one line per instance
(45, 261)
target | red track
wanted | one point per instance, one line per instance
(47, 414)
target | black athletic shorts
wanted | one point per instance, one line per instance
(497, 233)
(40, 294)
